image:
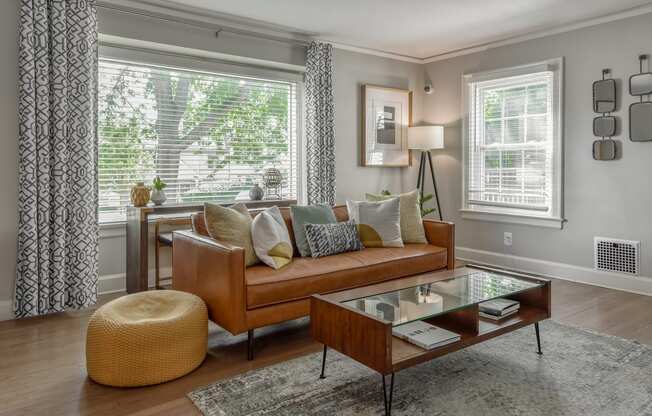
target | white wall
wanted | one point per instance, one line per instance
(611, 199)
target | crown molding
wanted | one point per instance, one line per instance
(216, 21)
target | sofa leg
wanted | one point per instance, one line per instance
(250, 345)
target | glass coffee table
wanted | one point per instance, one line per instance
(359, 322)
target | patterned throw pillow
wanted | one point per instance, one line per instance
(379, 223)
(411, 222)
(271, 238)
(328, 239)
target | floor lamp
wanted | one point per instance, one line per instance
(425, 139)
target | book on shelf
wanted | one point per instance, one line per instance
(499, 307)
(425, 335)
(497, 317)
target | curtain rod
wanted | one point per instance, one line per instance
(216, 29)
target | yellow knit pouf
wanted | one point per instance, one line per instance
(146, 338)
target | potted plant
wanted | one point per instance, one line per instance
(158, 194)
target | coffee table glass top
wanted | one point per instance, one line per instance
(432, 299)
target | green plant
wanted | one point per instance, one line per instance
(158, 184)
(426, 197)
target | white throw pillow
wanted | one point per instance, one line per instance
(379, 223)
(271, 239)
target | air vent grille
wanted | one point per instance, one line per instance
(614, 255)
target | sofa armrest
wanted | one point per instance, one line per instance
(442, 234)
(215, 272)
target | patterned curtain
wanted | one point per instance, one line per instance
(57, 202)
(320, 131)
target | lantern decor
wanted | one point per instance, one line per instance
(273, 181)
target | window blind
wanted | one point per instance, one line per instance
(511, 140)
(208, 136)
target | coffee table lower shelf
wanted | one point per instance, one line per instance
(369, 340)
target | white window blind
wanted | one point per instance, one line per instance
(208, 136)
(512, 152)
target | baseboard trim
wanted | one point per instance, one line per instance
(112, 283)
(6, 310)
(632, 284)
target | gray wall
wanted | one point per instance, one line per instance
(351, 71)
(610, 199)
(8, 149)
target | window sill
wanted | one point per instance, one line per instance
(546, 222)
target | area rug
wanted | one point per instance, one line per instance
(580, 373)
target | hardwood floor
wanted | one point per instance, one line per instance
(42, 369)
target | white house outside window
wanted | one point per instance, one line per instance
(513, 145)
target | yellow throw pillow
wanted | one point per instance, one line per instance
(233, 226)
(411, 222)
(271, 238)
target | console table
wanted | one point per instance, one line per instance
(138, 220)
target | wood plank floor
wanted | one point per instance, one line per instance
(42, 369)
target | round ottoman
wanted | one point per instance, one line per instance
(146, 338)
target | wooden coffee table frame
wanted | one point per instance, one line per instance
(369, 340)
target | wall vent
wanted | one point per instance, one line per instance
(614, 255)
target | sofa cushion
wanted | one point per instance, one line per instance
(306, 276)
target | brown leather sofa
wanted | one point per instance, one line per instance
(243, 298)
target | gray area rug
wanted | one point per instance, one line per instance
(580, 373)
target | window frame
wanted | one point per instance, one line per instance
(191, 62)
(555, 217)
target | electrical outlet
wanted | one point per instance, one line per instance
(507, 239)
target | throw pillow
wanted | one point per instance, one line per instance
(411, 222)
(379, 223)
(310, 214)
(328, 239)
(271, 239)
(231, 225)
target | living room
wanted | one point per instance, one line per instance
(247, 208)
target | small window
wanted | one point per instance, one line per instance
(512, 142)
(209, 136)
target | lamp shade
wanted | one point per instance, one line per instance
(426, 137)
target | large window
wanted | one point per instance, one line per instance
(513, 145)
(209, 136)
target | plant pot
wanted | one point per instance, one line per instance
(158, 196)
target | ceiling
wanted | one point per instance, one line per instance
(417, 28)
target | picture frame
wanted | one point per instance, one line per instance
(386, 116)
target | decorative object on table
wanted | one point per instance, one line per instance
(146, 338)
(411, 220)
(640, 113)
(310, 214)
(158, 194)
(320, 124)
(498, 309)
(256, 193)
(504, 369)
(425, 335)
(231, 225)
(328, 239)
(379, 223)
(57, 205)
(273, 181)
(424, 139)
(140, 194)
(386, 115)
(604, 102)
(271, 238)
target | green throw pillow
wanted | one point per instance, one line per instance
(310, 214)
(411, 222)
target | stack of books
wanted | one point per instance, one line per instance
(425, 335)
(498, 309)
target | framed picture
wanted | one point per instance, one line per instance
(386, 115)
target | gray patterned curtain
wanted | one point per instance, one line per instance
(320, 130)
(57, 201)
